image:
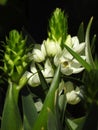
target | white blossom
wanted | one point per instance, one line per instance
(72, 94)
(69, 65)
(38, 54)
(47, 72)
(73, 43)
(52, 47)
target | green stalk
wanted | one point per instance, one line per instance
(11, 119)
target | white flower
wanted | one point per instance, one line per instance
(72, 95)
(73, 43)
(33, 78)
(38, 54)
(69, 65)
(52, 47)
(47, 72)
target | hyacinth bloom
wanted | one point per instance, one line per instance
(72, 94)
(47, 72)
(69, 65)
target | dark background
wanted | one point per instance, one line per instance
(33, 15)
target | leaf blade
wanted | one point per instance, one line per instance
(41, 122)
(78, 58)
(29, 112)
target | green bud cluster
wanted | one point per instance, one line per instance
(15, 56)
(58, 26)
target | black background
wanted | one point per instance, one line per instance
(34, 15)
(77, 11)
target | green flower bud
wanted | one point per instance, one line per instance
(15, 56)
(58, 26)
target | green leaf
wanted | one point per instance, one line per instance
(78, 58)
(29, 112)
(42, 79)
(80, 122)
(56, 118)
(41, 122)
(11, 118)
(62, 105)
(88, 48)
(70, 124)
(80, 33)
(96, 61)
(93, 44)
(52, 121)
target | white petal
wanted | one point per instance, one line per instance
(79, 48)
(66, 70)
(34, 80)
(77, 70)
(48, 71)
(38, 56)
(33, 68)
(52, 48)
(71, 94)
(68, 41)
(72, 97)
(66, 54)
(75, 64)
(43, 49)
(75, 41)
(28, 74)
(62, 57)
(57, 60)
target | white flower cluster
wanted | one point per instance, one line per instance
(50, 49)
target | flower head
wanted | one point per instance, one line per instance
(52, 48)
(47, 72)
(69, 65)
(38, 54)
(73, 43)
(72, 94)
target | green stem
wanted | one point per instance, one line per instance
(11, 118)
(14, 91)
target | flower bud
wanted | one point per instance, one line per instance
(38, 54)
(52, 48)
(72, 95)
